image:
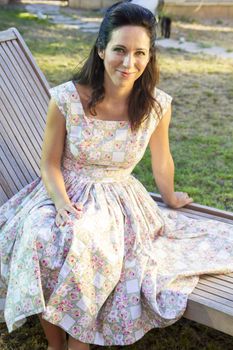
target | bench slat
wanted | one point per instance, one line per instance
(11, 166)
(17, 92)
(217, 283)
(4, 173)
(30, 91)
(209, 296)
(195, 215)
(42, 82)
(18, 138)
(3, 195)
(32, 76)
(19, 157)
(19, 122)
(200, 210)
(223, 293)
(227, 277)
(7, 35)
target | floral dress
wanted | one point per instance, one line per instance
(125, 266)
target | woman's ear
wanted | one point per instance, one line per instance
(101, 54)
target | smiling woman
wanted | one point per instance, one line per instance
(127, 57)
(85, 246)
(124, 67)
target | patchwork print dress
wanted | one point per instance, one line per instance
(125, 266)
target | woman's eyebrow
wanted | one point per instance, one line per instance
(124, 47)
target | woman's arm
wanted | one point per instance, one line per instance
(52, 150)
(163, 165)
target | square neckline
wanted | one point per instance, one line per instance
(95, 119)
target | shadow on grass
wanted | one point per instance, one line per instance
(184, 335)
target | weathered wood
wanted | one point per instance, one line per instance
(209, 315)
(13, 137)
(7, 35)
(200, 210)
(23, 104)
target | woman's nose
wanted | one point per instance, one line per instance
(128, 60)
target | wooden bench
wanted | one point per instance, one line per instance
(23, 104)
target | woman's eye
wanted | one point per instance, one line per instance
(140, 53)
(119, 49)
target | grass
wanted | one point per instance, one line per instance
(201, 130)
(201, 143)
(206, 33)
(57, 54)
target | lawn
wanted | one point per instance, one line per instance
(206, 34)
(201, 141)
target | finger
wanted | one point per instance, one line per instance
(58, 220)
(71, 210)
(64, 212)
(76, 212)
(190, 200)
(78, 206)
(183, 202)
(62, 217)
(65, 216)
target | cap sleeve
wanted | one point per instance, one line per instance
(164, 100)
(60, 95)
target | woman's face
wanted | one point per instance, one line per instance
(126, 55)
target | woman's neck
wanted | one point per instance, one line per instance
(116, 97)
(116, 94)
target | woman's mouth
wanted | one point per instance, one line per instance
(125, 74)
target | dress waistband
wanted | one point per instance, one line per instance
(96, 174)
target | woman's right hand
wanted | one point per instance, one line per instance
(180, 199)
(63, 218)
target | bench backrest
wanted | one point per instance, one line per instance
(24, 99)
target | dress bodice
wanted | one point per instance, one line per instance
(101, 149)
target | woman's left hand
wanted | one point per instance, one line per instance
(180, 200)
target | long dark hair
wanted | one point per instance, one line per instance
(142, 99)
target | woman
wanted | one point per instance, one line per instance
(86, 247)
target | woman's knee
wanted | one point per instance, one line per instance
(74, 344)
